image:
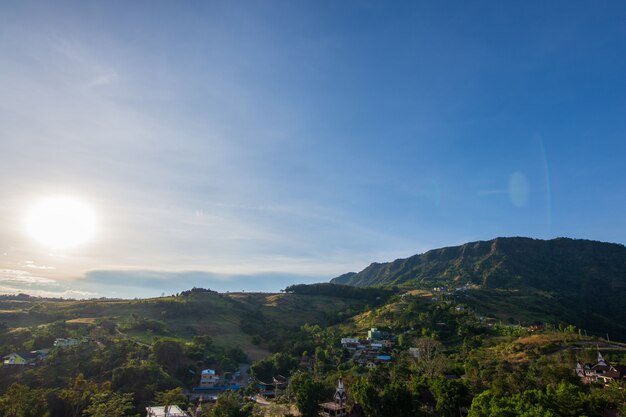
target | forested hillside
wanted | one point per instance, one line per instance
(579, 281)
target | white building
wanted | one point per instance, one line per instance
(351, 343)
(209, 378)
(63, 342)
(601, 371)
(165, 411)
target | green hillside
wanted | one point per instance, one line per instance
(576, 281)
(255, 322)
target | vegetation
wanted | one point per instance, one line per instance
(371, 295)
(578, 282)
(448, 352)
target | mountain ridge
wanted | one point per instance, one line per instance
(480, 261)
(565, 280)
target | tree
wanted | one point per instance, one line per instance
(22, 401)
(110, 404)
(397, 400)
(228, 404)
(615, 395)
(449, 394)
(486, 404)
(563, 400)
(567, 400)
(367, 395)
(309, 394)
(79, 393)
(174, 396)
(168, 354)
(430, 359)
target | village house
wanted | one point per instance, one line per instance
(389, 344)
(338, 407)
(165, 411)
(209, 379)
(601, 371)
(375, 346)
(65, 342)
(24, 358)
(375, 334)
(535, 328)
(351, 343)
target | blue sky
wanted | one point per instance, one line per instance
(251, 145)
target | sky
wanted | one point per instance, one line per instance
(253, 145)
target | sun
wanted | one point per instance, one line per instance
(61, 222)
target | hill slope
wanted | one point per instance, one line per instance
(577, 281)
(231, 320)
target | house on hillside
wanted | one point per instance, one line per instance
(338, 407)
(375, 334)
(209, 378)
(383, 359)
(165, 411)
(601, 371)
(23, 358)
(351, 343)
(65, 342)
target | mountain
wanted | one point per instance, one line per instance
(577, 281)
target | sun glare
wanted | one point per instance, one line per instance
(61, 222)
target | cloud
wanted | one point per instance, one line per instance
(147, 283)
(69, 293)
(18, 275)
(32, 265)
(103, 79)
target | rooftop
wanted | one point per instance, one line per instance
(159, 411)
(332, 406)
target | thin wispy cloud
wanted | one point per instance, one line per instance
(32, 265)
(103, 79)
(17, 275)
(70, 293)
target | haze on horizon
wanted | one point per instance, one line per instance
(251, 146)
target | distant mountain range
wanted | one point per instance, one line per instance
(578, 281)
